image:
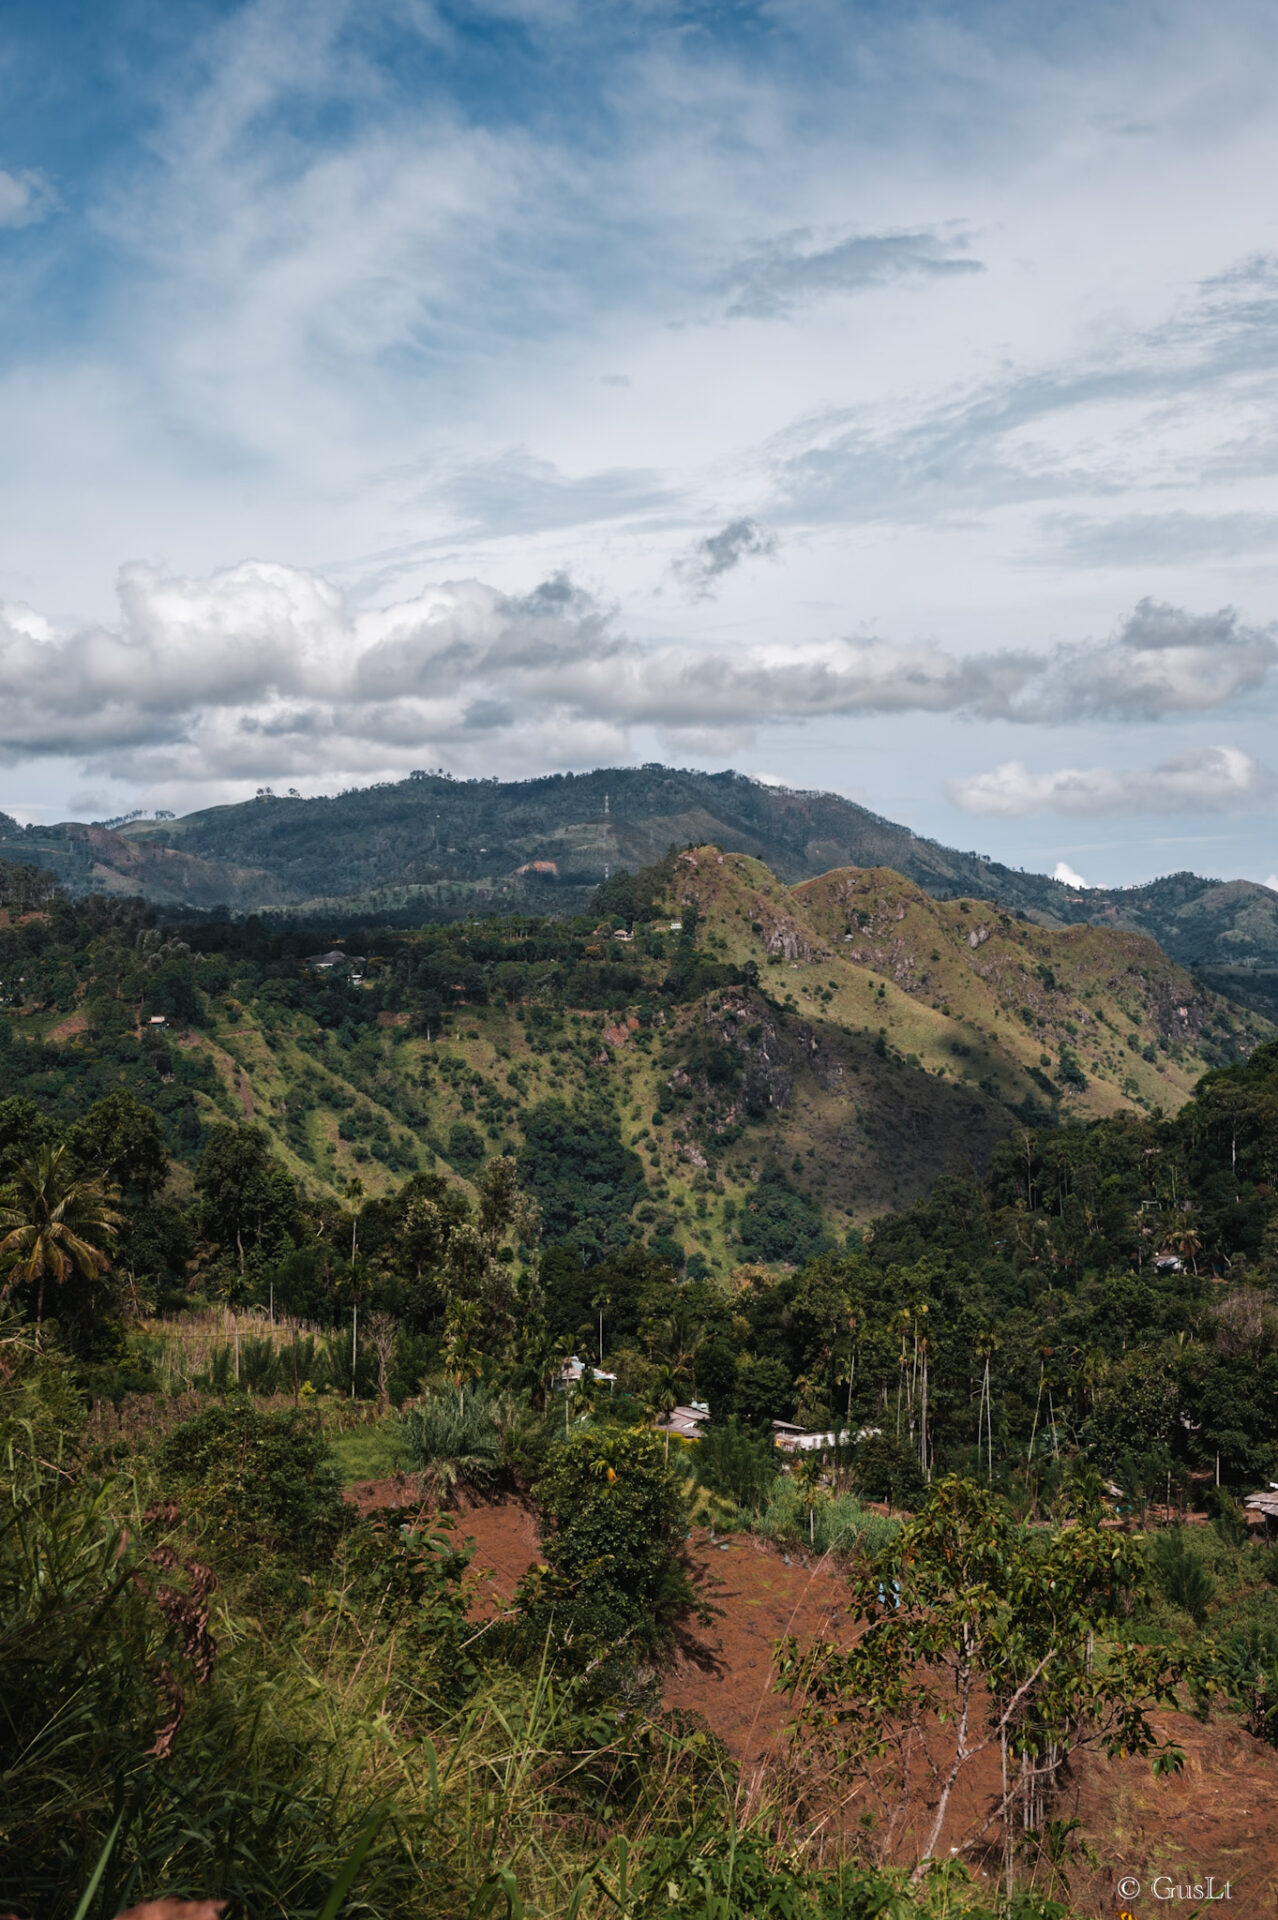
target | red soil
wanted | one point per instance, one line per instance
(1219, 1817)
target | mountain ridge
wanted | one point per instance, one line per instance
(436, 848)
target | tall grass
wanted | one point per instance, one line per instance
(216, 1349)
(832, 1523)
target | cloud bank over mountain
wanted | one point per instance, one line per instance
(264, 671)
(1208, 780)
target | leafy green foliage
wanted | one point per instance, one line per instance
(612, 1523)
(780, 1223)
(256, 1481)
(471, 1437)
(584, 1179)
(738, 1463)
(975, 1635)
(1181, 1574)
(248, 1203)
(120, 1712)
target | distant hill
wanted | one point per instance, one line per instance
(1091, 1019)
(433, 849)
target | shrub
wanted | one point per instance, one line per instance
(839, 1523)
(471, 1437)
(741, 1465)
(258, 1481)
(1182, 1576)
(1249, 1673)
(613, 1523)
(882, 1469)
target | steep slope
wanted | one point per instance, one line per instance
(787, 1062)
(1091, 1018)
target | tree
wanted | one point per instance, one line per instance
(57, 1224)
(584, 1178)
(245, 1194)
(119, 1139)
(23, 1128)
(978, 1635)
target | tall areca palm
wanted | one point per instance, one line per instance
(56, 1224)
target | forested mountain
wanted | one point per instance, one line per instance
(436, 848)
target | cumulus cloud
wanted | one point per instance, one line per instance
(265, 671)
(1209, 780)
(771, 280)
(707, 560)
(1063, 872)
(25, 198)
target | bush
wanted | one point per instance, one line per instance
(1182, 1576)
(737, 1463)
(613, 1523)
(836, 1523)
(471, 1437)
(882, 1469)
(258, 1482)
(1249, 1673)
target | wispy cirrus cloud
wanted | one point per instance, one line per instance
(1178, 538)
(1206, 780)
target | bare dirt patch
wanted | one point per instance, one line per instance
(67, 1028)
(1219, 1817)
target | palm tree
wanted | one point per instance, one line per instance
(57, 1224)
(664, 1397)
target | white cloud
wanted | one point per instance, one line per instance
(1063, 872)
(25, 198)
(1207, 780)
(264, 671)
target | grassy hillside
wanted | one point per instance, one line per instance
(1087, 1018)
(790, 1062)
(474, 1149)
(434, 848)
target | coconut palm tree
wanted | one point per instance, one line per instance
(56, 1223)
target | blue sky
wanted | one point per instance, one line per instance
(881, 398)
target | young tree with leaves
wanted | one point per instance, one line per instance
(976, 1634)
